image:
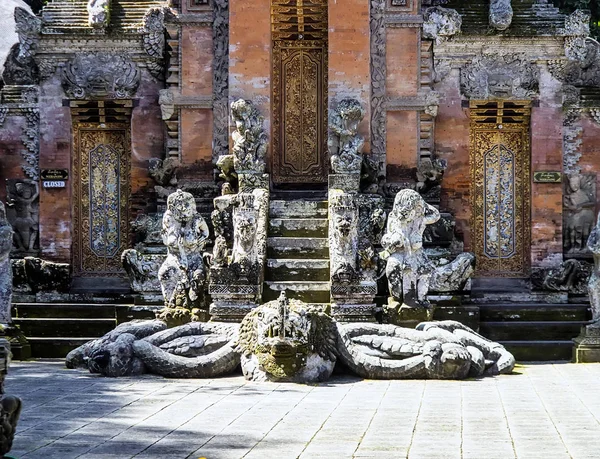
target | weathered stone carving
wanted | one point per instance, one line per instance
(166, 100)
(584, 69)
(500, 76)
(570, 276)
(408, 269)
(10, 406)
(345, 144)
(453, 277)
(23, 214)
(164, 171)
(441, 24)
(284, 340)
(20, 67)
(225, 163)
(142, 270)
(100, 75)
(220, 77)
(6, 278)
(31, 142)
(154, 40)
(185, 235)
(501, 14)
(245, 229)
(98, 13)
(593, 244)
(33, 275)
(579, 204)
(378, 84)
(291, 341)
(429, 178)
(249, 138)
(343, 237)
(147, 231)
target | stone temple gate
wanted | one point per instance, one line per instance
(295, 125)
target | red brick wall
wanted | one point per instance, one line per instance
(349, 57)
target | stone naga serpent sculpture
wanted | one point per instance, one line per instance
(287, 340)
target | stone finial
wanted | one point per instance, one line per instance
(98, 14)
(501, 14)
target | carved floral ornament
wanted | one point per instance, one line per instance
(100, 75)
(500, 76)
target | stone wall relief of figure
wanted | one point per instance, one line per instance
(345, 144)
(23, 214)
(343, 237)
(249, 138)
(579, 204)
(182, 275)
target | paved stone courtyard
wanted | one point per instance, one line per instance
(542, 411)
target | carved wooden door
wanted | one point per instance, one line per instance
(299, 91)
(500, 173)
(100, 198)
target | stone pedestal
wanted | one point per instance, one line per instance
(404, 315)
(587, 345)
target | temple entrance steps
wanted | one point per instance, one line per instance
(534, 331)
(298, 250)
(54, 329)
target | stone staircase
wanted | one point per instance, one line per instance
(72, 16)
(54, 329)
(534, 331)
(298, 250)
(530, 17)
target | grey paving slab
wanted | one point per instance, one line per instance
(542, 411)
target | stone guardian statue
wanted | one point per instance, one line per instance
(185, 234)
(408, 269)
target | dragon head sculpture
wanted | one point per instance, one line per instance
(287, 340)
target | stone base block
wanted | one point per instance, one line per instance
(405, 316)
(223, 311)
(344, 182)
(19, 346)
(354, 312)
(587, 345)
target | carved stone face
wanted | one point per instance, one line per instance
(182, 205)
(344, 223)
(575, 182)
(284, 343)
(245, 225)
(500, 84)
(116, 358)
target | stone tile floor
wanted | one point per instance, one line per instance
(542, 411)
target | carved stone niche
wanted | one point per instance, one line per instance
(101, 75)
(506, 76)
(579, 203)
(23, 211)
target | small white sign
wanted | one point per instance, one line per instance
(54, 183)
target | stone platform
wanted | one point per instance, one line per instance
(541, 411)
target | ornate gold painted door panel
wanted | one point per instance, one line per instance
(299, 82)
(100, 197)
(500, 162)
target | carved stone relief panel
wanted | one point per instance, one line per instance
(500, 77)
(579, 206)
(23, 210)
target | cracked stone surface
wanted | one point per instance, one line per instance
(540, 411)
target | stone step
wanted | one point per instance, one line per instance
(297, 209)
(55, 347)
(540, 351)
(297, 247)
(309, 292)
(65, 328)
(298, 227)
(62, 310)
(531, 331)
(286, 269)
(534, 312)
